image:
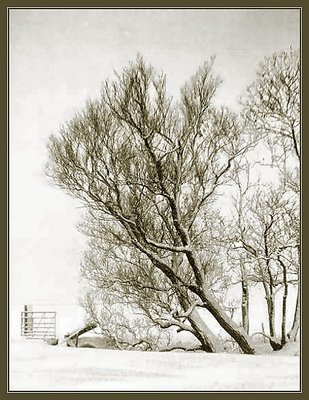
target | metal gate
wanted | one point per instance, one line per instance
(38, 324)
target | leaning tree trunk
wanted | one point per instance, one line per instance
(209, 342)
(235, 331)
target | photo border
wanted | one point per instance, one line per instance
(5, 181)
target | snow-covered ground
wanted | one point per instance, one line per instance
(37, 366)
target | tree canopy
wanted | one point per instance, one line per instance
(148, 170)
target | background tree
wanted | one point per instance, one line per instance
(272, 111)
(239, 263)
(267, 239)
(150, 168)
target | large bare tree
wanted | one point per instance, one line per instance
(149, 169)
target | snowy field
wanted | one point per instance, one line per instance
(36, 366)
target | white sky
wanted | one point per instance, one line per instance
(58, 59)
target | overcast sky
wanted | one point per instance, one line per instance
(58, 59)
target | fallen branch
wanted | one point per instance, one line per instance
(182, 348)
(79, 332)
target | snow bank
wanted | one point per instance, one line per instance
(36, 366)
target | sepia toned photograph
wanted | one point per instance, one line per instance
(154, 199)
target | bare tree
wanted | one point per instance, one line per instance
(241, 178)
(272, 111)
(267, 237)
(150, 169)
